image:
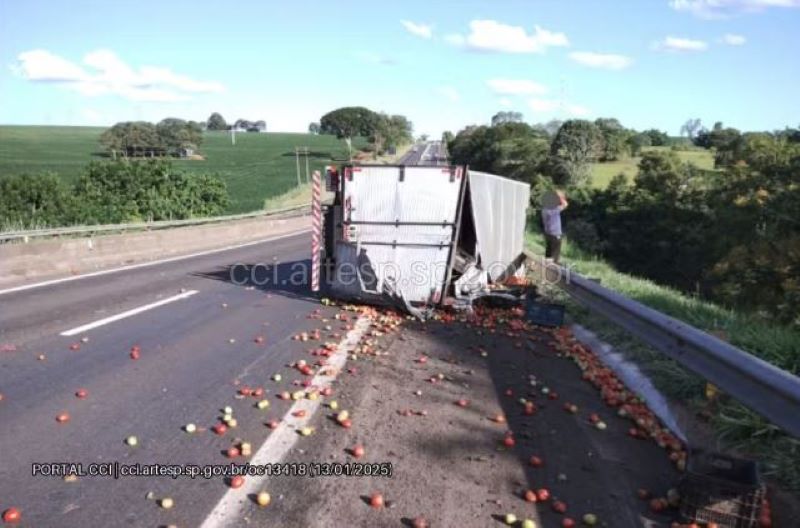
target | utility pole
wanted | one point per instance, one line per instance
(297, 160)
(308, 175)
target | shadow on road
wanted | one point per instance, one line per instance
(592, 471)
(290, 279)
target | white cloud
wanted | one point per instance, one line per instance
(606, 61)
(733, 40)
(681, 44)
(103, 72)
(490, 35)
(726, 8)
(505, 102)
(551, 106)
(516, 87)
(450, 93)
(420, 30)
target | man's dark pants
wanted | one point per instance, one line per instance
(552, 247)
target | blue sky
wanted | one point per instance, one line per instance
(445, 64)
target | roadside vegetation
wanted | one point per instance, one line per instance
(736, 427)
(110, 192)
(703, 228)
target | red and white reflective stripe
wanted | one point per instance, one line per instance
(316, 229)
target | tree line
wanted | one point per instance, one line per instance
(110, 192)
(383, 131)
(168, 137)
(731, 234)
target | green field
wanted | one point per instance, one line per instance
(603, 172)
(259, 166)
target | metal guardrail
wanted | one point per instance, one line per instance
(761, 386)
(162, 224)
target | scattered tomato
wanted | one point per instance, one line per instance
(12, 516)
(542, 494)
(263, 499)
(376, 501)
(237, 482)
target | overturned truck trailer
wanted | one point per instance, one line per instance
(420, 236)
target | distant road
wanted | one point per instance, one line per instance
(425, 153)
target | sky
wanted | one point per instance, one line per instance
(444, 64)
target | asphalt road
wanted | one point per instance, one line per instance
(425, 153)
(185, 374)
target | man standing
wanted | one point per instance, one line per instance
(553, 202)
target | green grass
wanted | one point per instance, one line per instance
(603, 172)
(258, 167)
(736, 426)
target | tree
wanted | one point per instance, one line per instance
(447, 137)
(550, 128)
(661, 174)
(636, 142)
(391, 131)
(313, 128)
(124, 191)
(657, 137)
(35, 201)
(576, 145)
(175, 134)
(615, 139)
(216, 122)
(131, 138)
(510, 149)
(506, 117)
(691, 127)
(349, 122)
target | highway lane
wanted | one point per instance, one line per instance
(425, 153)
(186, 373)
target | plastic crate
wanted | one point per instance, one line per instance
(721, 489)
(545, 314)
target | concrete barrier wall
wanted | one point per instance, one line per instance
(49, 258)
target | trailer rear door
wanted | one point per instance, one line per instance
(398, 222)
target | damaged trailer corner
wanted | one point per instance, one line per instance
(420, 236)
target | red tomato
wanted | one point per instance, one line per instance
(559, 507)
(12, 516)
(219, 428)
(237, 482)
(376, 500)
(542, 494)
(567, 523)
(536, 461)
(530, 496)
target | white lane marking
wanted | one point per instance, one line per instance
(280, 441)
(146, 264)
(123, 315)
